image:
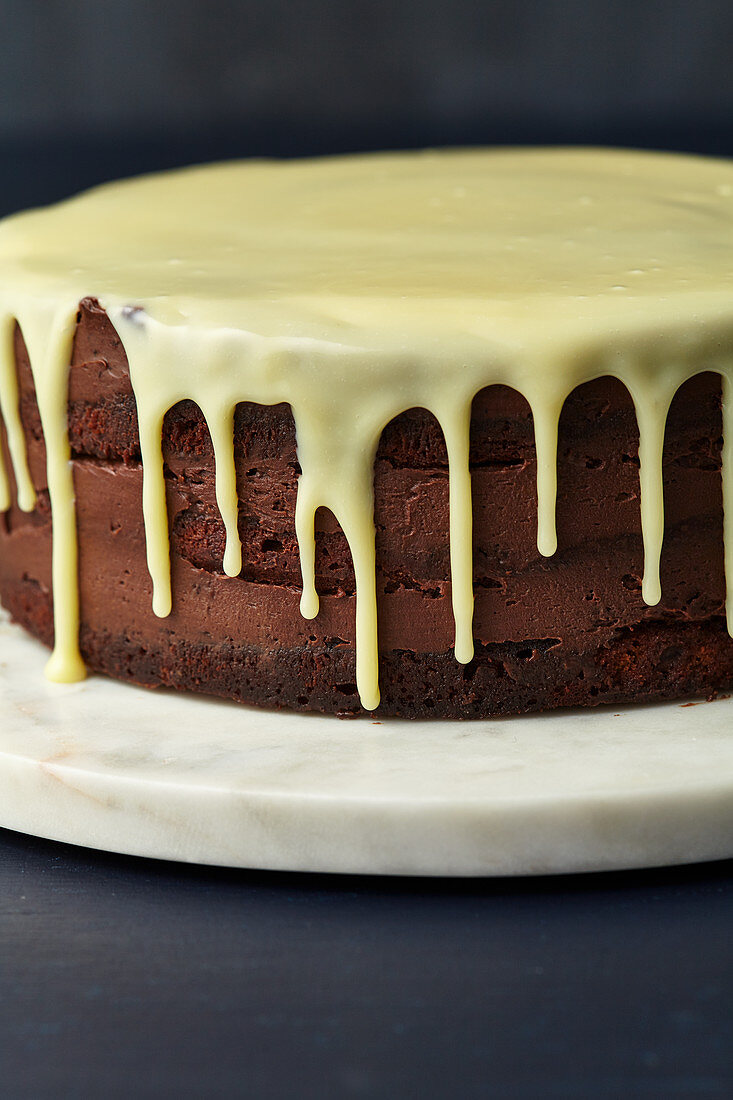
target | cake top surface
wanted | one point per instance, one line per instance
(503, 247)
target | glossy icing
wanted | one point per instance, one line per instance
(355, 288)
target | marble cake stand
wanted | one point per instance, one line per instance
(111, 766)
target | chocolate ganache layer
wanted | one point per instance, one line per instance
(568, 630)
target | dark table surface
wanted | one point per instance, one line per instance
(125, 977)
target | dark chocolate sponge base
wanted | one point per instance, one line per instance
(651, 662)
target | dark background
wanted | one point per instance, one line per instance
(124, 977)
(128, 978)
(100, 88)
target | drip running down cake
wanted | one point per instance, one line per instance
(432, 434)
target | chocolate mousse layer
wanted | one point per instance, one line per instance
(570, 630)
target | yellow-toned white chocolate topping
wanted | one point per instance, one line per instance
(356, 288)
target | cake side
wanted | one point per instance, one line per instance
(571, 630)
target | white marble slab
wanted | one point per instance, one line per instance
(115, 767)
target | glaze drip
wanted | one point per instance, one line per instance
(357, 288)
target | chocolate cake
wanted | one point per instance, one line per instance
(455, 477)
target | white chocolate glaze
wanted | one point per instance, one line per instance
(358, 287)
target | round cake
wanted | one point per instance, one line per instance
(434, 434)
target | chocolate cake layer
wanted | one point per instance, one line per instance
(570, 630)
